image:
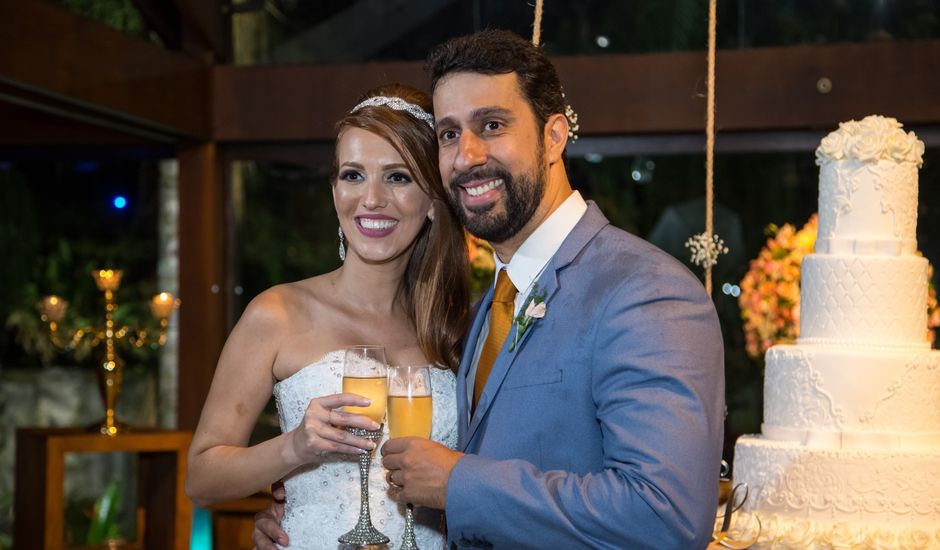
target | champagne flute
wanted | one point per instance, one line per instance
(409, 414)
(364, 373)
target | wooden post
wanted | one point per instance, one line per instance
(204, 319)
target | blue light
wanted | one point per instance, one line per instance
(119, 202)
(201, 537)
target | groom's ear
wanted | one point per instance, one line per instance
(555, 137)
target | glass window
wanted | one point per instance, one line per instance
(285, 31)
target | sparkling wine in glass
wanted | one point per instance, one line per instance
(365, 373)
(409, 414)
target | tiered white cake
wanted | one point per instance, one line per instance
(849, 455)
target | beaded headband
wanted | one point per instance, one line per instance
(398, 104)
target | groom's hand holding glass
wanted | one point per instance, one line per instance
(420, 468)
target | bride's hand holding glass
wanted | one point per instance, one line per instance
(323, 429)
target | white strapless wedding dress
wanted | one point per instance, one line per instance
(323, 498)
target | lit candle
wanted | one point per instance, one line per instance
(52, 308)
(107, 279)
(163, 304)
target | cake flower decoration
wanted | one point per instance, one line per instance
(871, 139)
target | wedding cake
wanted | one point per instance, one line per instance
(849, 454)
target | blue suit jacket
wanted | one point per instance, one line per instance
(603, 428)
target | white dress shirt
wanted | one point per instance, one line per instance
(529, 261)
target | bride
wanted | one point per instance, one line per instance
(402, 285)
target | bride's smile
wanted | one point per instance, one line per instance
(376, 226)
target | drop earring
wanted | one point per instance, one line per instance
(342, 245)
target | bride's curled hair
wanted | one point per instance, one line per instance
(435, 288)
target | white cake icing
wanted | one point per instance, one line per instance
(849, 455)
(838, 498)
(868, 188)
(828, 397)
(851, 300)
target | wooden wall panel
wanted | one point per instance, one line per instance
(767, 89)
(298, 102)
(49, 51)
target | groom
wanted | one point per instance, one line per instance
(590, 394)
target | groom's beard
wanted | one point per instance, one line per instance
(522, 195)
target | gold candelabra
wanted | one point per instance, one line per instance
(52, 310)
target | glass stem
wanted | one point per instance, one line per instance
(365, 515)
(408, 538)
(364, 533)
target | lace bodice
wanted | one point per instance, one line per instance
(323, 498)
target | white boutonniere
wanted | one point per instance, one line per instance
(534, 309)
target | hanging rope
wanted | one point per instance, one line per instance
(706, 247)
(710, 136)
(537, 25)
(570, 114)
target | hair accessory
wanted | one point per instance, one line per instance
(572, 120)
(398, 104)
(342, 245)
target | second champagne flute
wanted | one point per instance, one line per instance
(364, 373)
(409, 414)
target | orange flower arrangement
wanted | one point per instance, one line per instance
(482, 264)
(770, 291)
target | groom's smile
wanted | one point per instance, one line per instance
(480, 192)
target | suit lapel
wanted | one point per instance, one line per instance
(469, 350)
(589, 225)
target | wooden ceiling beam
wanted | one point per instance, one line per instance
(760, 89)
(57, 61)
(296, 102)
(765, 89)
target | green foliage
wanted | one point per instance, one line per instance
(122, 15)
(31, 332)
(104, 525)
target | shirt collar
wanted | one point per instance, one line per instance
(535, 252)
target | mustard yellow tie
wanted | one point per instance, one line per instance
(500, 322)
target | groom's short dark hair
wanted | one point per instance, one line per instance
(493, 52)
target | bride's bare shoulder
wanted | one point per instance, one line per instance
(289, 302)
